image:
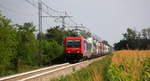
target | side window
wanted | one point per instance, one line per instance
(85, 45)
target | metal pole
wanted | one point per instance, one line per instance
(63, 22)
(40, 18)
(40, 30)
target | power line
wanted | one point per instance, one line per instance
(50, 12)
(72, 20)
(61, 17)
(45, 8)
(33, 3)
(52, 8)
(12, 10)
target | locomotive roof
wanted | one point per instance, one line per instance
(74, 37)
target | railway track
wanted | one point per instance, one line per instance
(19, 77)
(45, 74)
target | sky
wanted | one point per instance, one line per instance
(108, 19)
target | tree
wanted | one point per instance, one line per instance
(27, 48)
(8, 45)
(122, 44)
(144, 33)
(51, 51)
(130, 35)
(148, 33)
(58, 34)
(134, 40)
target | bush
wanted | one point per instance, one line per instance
(51, 51)
(8, 45)
(27, 47)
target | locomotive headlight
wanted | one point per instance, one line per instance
(68, 51)
(78, 51)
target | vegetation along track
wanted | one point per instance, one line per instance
(21, 76)
(45, 74)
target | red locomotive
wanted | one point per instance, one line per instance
(76, 48)
(73, 47)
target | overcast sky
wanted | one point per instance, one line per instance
(106, 18)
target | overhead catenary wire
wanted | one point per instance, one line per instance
(59, 14)
(72, 20)
(45, 8)
(54, 13)
(12, 11)
(50, 12)
(33, 3)
(52, 8)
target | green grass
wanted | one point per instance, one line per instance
(21, 69)
(146, 70)
(130, 65)
(97, 71)
(125, 65)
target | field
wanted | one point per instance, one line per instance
(130, 66)
(125, 65)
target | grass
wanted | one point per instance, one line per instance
(125, 65)
(128, 65)
(22, 68)
(146, 70)
(94, 72)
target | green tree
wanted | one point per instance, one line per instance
(134, 40)
(130, 35)
(148, 33)
(51, 51)
(55, 33)
(8, 45)
(58, 34)
(85, 34)
(27, 47)
(144, 33)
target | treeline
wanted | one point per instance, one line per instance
(20, 49)
(133, 39)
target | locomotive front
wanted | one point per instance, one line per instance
(73, 48)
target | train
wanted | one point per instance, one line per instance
(78, 48)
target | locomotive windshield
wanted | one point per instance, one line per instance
(73, 43)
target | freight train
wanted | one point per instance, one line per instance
(79, 48)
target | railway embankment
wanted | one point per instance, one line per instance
(51, 72)
(125, 65)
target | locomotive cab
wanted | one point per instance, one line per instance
(73, 48)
